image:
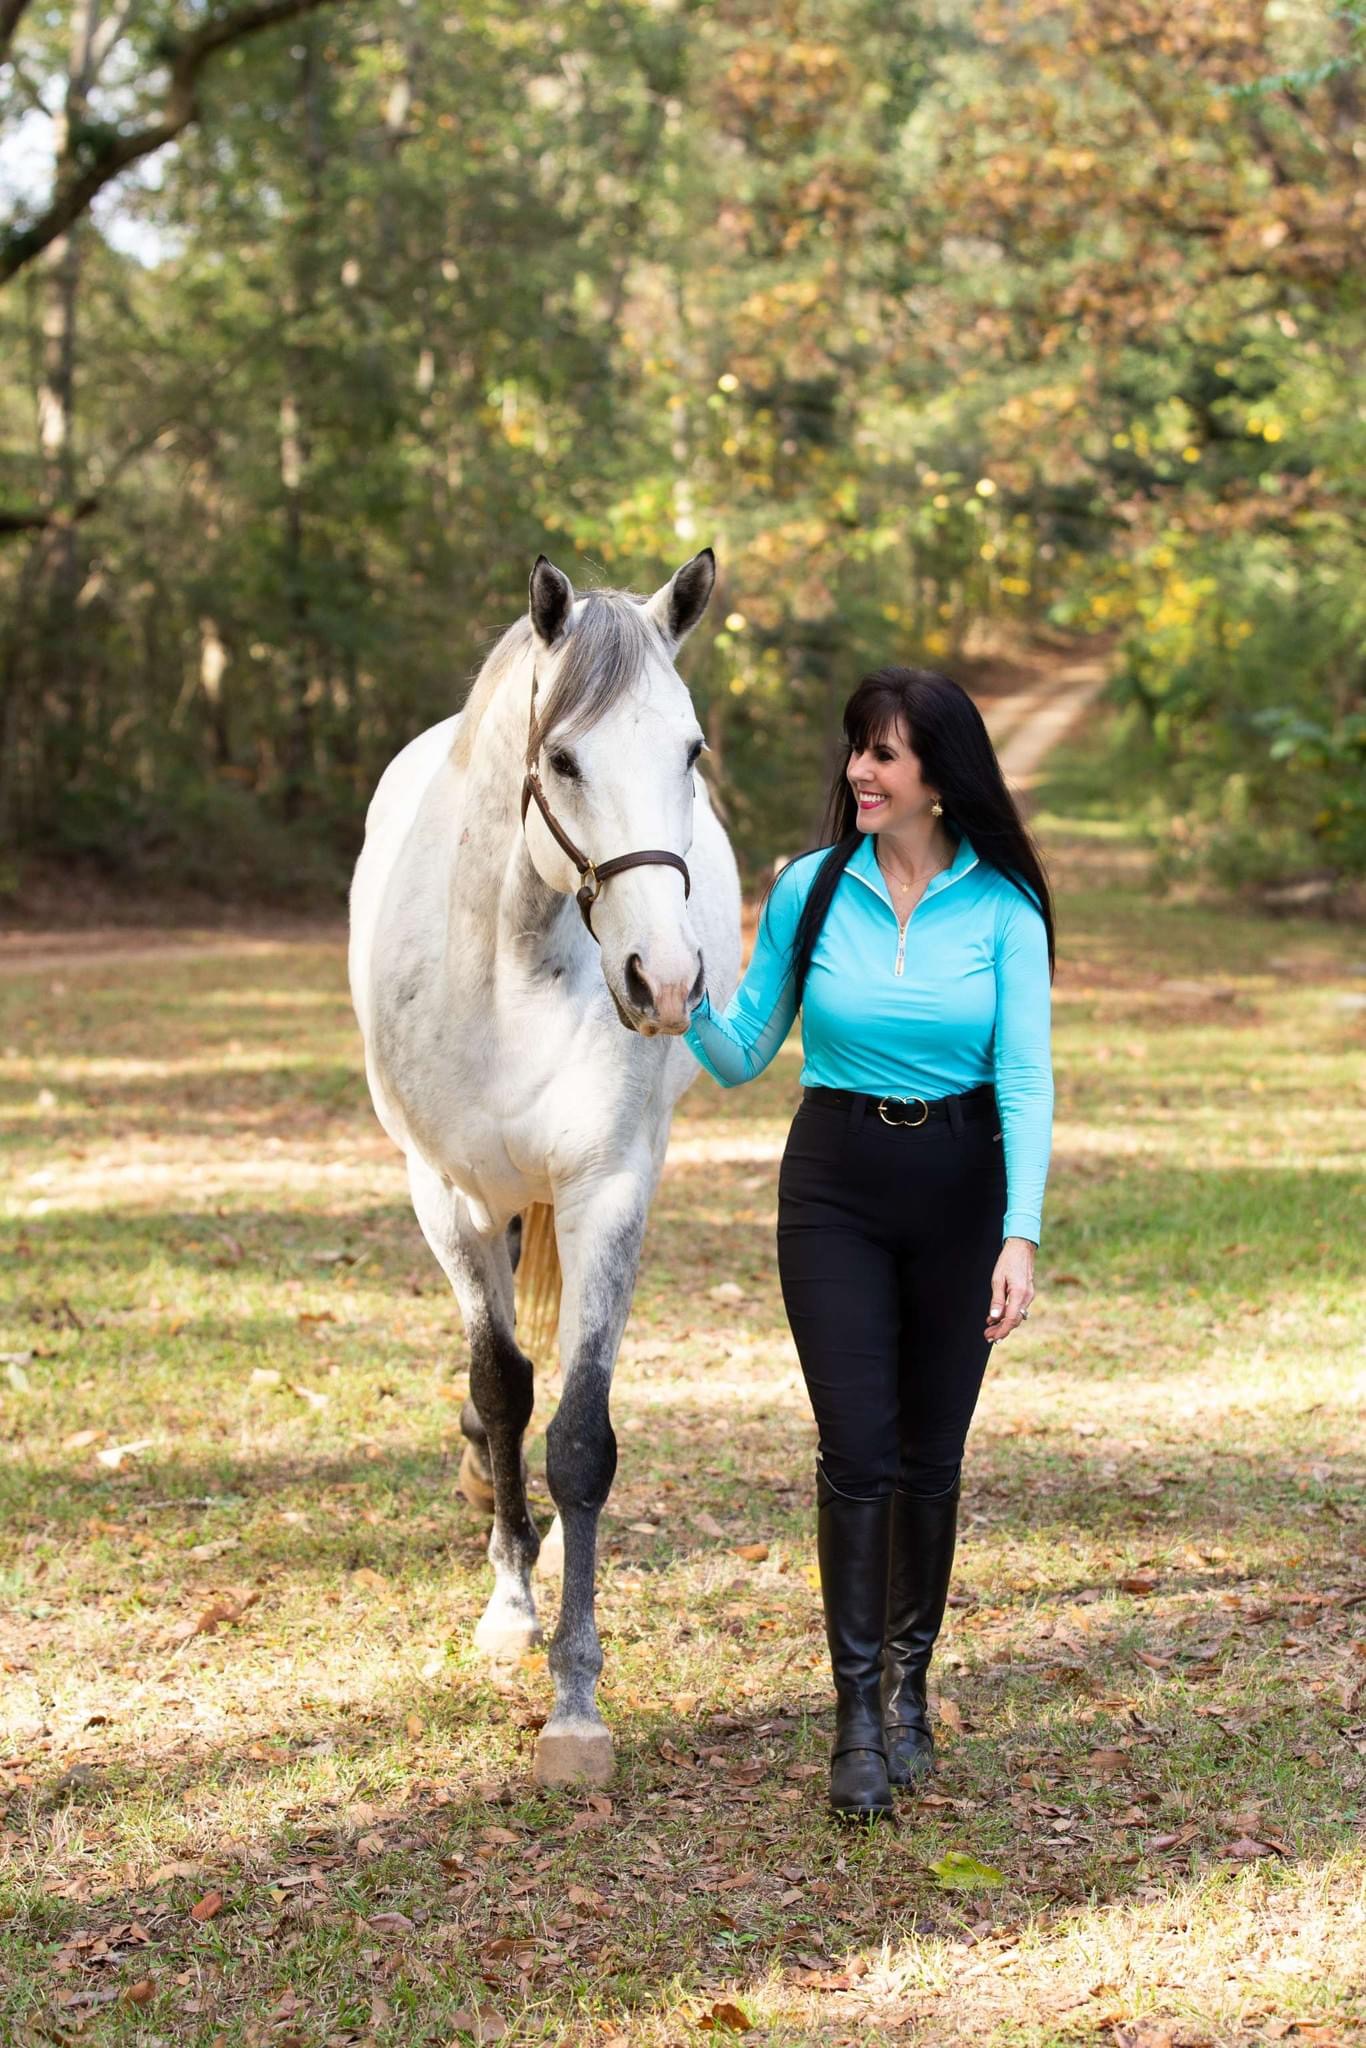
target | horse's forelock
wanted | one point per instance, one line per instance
(608, 645)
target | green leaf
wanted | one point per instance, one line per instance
(958, 1872)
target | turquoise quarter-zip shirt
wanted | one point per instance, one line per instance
(957, 995)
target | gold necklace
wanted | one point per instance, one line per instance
(897, 881)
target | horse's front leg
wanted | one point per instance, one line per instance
(599, 1229)
(501, 1394)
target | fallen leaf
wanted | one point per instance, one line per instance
(727, 1290)
(113, 1455)
(725, 2018)
(370, 1845)
(140, 1993)
(1247, 1847)
(82, 1440)
(391, 1923)
(951, 1716)
(1138, 1582)
(366, 1576)
(752, 1553)
(17, 1377)
(484, 2025)
(218, 1614)
(413, 1725)
(708, 1525)
(207, 1908)
(265, 1376)
(1105, 1761)
(957, 1871)
(307, 1394)
(1177, 1841)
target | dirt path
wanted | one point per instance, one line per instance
(1026, 724)
(53, 951)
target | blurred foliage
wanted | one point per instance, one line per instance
(932, 319)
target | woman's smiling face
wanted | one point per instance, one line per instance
(887, 783)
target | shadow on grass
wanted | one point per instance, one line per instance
(710, 1872)
(1161, 1224)
(396, 1508)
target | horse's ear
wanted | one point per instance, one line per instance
(552, 597)
(680, 604)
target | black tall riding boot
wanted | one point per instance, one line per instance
(923, 1537)
(852, 1539)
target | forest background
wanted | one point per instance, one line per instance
(942, 323)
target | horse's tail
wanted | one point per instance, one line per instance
(538, 1283)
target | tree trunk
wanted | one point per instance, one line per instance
(294, 441)
(60, 670)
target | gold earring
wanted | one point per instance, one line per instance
(936, 809)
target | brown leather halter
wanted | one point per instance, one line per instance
(592, 874)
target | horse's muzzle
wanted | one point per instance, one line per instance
(657, 1008)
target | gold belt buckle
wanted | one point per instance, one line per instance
(904, 1123)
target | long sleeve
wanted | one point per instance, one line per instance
(739, 1043)
(1023, 1065)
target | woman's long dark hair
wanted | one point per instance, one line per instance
(950, 741)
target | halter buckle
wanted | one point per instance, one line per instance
(904, 1123)
(589, 885)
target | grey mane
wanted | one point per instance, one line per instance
(608, 646)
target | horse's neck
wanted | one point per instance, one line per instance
(496, 896)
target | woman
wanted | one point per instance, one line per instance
(919, 948)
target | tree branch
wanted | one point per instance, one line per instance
(105, 37)
(33, 518)
(89, 175)
(10, 11)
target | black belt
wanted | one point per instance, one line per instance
(908, 1112)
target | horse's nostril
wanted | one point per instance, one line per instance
(638, 988)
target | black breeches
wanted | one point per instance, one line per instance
(887, 1241)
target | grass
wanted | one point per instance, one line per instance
(236, 1664)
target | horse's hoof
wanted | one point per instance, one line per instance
(574, 1756)
(550, 1563)
(504, 1637)
(477, 1490)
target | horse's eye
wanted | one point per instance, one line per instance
(694, 753)
(564, 764)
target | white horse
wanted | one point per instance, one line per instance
(493, 967)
